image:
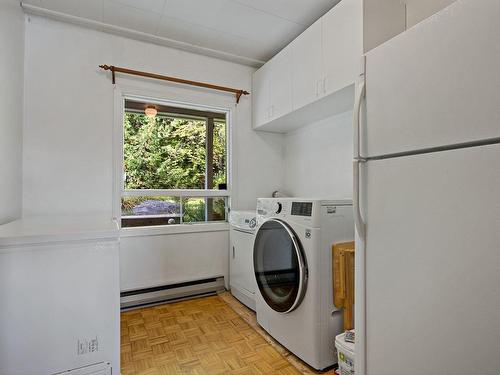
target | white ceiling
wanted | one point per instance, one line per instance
(253, 29)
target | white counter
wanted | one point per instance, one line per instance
(48, 229)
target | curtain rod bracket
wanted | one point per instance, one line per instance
(239, 94)
(114, 69)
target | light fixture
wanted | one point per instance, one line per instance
(150, 111)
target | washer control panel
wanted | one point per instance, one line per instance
(271, 207)
(302, 208)
(307, 212)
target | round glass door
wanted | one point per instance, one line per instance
(280, 267)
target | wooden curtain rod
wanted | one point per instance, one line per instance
(115, 69)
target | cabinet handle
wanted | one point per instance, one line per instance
(320, 87)
(233, 252)
(269, 112)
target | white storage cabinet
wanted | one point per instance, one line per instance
(60, 297)
(313, 77)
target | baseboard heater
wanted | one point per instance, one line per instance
(170, 293)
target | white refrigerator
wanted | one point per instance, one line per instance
(427, 198)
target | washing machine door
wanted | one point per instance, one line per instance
(280, 266)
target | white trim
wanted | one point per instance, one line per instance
(171, 114)
(229, 158)
(123, 92)
(202, 193)
(156, 216)
(186, 228)
(119, 103)
(146, 95)
(138, 35)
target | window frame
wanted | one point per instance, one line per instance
(120, 96)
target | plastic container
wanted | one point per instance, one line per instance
(345, 352)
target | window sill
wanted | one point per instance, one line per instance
(173, 229)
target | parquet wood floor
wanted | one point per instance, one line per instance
(205, 336)
(249, 316)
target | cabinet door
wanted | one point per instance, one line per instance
(241, 261)
(342, 31)
(280, 86)
(307, 66)
(236, 265)
(260, 97)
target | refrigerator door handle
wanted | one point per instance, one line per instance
(356, 120)
(358, 220)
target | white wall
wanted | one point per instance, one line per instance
(67, 156)
(173, 259)
(11, 108)
(318, 159)
(418, 10)
(69, 115)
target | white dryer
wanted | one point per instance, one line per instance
(293, 270)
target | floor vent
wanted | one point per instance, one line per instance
(170, 293)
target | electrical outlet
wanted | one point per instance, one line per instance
(93, 345)
(82, 347)
(85, 346)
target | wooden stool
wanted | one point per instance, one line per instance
(343, 280)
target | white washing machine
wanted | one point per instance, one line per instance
(241, 276)
(293, 270)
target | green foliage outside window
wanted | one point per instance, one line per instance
(170, 153)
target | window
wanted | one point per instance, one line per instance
(174, 165)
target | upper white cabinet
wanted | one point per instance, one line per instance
(382, 20)
(312, 77)
(272, 89)
(260, 97)
(342, 41)
(280, 84)
(307, 67)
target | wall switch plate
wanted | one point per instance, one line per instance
(85, 346)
